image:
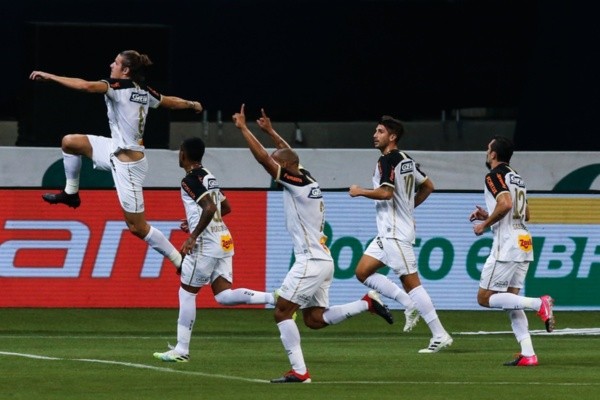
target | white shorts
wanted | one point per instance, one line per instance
(128, 177)
(198, 270)
(500, 275)
(307, 283)
(399, 256)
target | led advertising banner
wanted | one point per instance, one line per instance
(55, 256)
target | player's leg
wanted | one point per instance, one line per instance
(73, 147)
(129, 178)
(497, 277)
(366, 272)
(221, 287)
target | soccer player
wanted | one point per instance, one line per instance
(306, 285)
(505, 269)
(128, 100)
(208, 250)
(398, 187)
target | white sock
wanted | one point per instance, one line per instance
(72, 165)
(160, 243)
(336, 314)
(185, 322)
(511, 301)
(425, 306)
(229, 297)
(520, 327)
(290, 338)
(389, 289)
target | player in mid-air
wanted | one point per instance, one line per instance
(128, 100)
(306, 285)
(208, 250)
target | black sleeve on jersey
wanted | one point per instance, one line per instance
(153, 93)
(193, 186)
(494, 182)
(387, 166)
(117, 84)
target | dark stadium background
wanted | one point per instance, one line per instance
(328, 60)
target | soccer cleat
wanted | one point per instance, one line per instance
(293, 377)
(436, 344)
(545, 312)
(523, 361)
(276, 296)
(71, 200)
(172, 356)
(412, 317)
(376, 306)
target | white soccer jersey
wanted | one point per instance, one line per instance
(127, 105)
(215, 240)
(304, 214)
(395, 217)
(512, 240)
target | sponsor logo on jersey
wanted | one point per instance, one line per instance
(406, 167)
(212, 184)
(500, 284)
(525, 243)
(292, 178)
(501, 180)
(315, 193)
(490, 185)
(141, 98)
(517, 180)
(226, 242)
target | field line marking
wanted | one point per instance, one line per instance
(237, 378)
(559, 332)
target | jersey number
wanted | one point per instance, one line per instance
(215, 198)
(520, 204)
(409, 185)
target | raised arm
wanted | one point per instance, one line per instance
(257, 149)
(177, 103)
(71, 83)
(264, 123)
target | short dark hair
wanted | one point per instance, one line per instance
(392, 125)
(503, 147)
(193, 148)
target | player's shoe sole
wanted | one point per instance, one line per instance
(546, 312)
(412, 317)
(376, 306)
(71, 200)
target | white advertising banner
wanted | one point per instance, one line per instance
(450, 256)
(334, 168)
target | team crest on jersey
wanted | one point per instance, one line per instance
(517, 180)
(315, 193)
(406, 167)
(212, 184)
(525, 243)
(226, 242)
(141, 98)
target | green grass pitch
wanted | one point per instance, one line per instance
(107, 354)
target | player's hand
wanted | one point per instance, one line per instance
(354, 190)
(239, 119)
(197, 107)
(188, 246)
(264, 122)
(39, 76)
(479, 214)
(184, 226)
(479, 229)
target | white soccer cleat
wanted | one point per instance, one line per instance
(437, 344)
(172, 356)
(412, 317)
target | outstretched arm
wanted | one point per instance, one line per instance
(257, 149)
(177, 103)
(264, 123)
(71, 83)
